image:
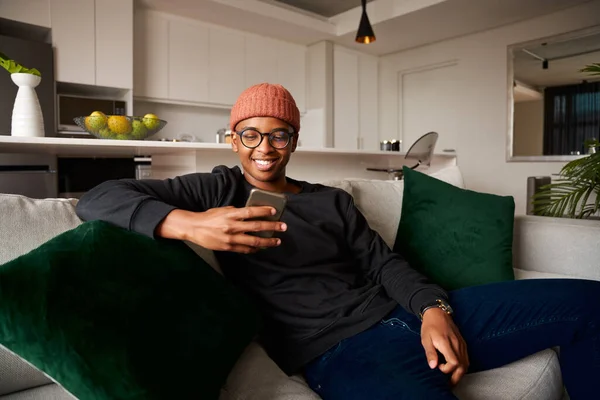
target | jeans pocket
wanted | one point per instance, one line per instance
(316, 370)
(329, 354)
(395, 323)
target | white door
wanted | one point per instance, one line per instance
(151, 47)
(425, 104)
(345, 99)
(188, 62)
(73, 38)
(114, 43)
(227, 71)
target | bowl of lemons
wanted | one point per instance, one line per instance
(120, 127)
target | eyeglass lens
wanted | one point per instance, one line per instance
(251, 138)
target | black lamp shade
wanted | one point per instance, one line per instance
(365, 32)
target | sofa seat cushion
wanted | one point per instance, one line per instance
(17, 375)
(536, 377)
(255, 376)
(47, 392)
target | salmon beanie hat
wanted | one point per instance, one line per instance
(265, 100)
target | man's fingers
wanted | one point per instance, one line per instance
(430, 353)
(250, 241)
(258, 226)
(457, 375)
(445, 347)
(254, 212)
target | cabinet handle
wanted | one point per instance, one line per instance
(358, 143)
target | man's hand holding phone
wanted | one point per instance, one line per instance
(224, 228)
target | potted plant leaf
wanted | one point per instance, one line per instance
(27, 118)
(576, 191)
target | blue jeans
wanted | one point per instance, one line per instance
(500, 322)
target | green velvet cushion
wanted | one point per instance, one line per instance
(456, 237)
(111, 314)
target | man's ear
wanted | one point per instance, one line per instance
(234, 142)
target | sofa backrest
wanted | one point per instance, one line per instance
(381, 200)
(26, 223)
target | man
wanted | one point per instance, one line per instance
(337, 303)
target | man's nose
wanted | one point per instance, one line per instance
(265, 146)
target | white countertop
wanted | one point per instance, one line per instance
(107, 147)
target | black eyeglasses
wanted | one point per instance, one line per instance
(278, 138)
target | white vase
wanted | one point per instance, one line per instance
(27, 118)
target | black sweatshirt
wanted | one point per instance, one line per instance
(331, 277)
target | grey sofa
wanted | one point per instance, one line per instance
(543, 248)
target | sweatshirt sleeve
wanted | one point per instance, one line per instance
(407, 286)
(140, 205)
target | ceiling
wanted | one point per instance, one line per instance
(324, 8)
(398, 24)
(566, 57)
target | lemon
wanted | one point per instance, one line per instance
(151, 121)
(139, 130)
(95, 122)
(119, 125)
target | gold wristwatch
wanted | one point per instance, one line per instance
(439, 304)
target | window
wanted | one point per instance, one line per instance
(571, 116)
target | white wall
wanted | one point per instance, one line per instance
(480, 105)
(528, 129)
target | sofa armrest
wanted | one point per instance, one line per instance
(557, 246)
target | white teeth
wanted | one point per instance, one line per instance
(263, 162)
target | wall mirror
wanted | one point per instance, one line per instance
(554, 106)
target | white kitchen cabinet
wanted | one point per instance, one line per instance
(355, 100)
(114, 43)
(73, 38)
(292, 71)
(368, 100)
(227, 68)
(275, 61)
(188, 62)
(151, 49)
(261, 60)
(345, 99)
(93, 41)
(34, 12)
(181, 60)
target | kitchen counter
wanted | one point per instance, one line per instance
(171, 159)
(108, 148)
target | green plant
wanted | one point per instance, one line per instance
(569, 194)
(592, 69)
(13, 67)
(576, 192)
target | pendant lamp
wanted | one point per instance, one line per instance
(365, 32)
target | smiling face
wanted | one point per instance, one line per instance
(264, 166)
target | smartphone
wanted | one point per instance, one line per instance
(260, 197)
